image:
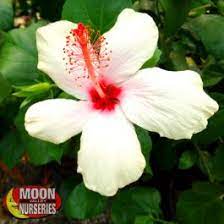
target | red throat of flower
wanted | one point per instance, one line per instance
(110, 99)
(86, 57)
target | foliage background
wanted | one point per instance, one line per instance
(183, 181)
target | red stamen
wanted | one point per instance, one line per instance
(85, 58)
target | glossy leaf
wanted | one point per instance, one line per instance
(219, 97)
(5, 88)
(99, 14)
(18, 56)
(146, 146)
(135, 202)
(154, 60)
(187, 159)
(202, 205)
(210, 30)
(213, 131)
(41, 152)
(175, 14)
(6, 14)
(143, 220)
(217, 164)
(83, 203)
(11, 149)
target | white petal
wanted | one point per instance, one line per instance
(110, 156)
(51, 39)
(172, 104)
(132, 40)
(56, 120)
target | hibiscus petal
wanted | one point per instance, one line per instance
(51, 41)
(56, 120)
(110, 156)
(172, 104)
(132, 40)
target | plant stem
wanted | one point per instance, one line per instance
(204, 162)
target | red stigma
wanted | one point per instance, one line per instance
(82, 34)
(109, 100)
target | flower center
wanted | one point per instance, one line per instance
(107, 102)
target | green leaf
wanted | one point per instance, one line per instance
(34, 93)
(83, 203)
(202, 205)
(17, 65)
(175, 14)
(213, 131)
(25, 38)
(211, 77)
(11, 149)
(143, 220)
(217, 164)
(66, 187)
(8, 110)
(220, 6)
(154, 60)
(200, 7)
(5, 88)
(204, 163)
(212, 73)
(18, 56)
(6, 14)
(187, 159)
(178, 56)
(36, 97)
(200, 3)
(99, 14)
(65, 95)
(41, 152)
(146, 146)
(128, 204)
(210, 30)
(219, 97)
(2, 37)
(24, 91)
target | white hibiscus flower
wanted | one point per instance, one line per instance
(113, 92)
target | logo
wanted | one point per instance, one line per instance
(32, 202)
